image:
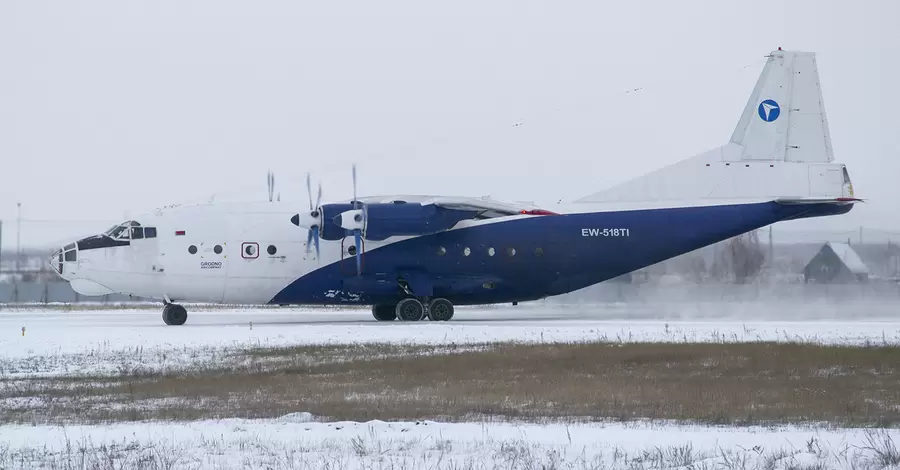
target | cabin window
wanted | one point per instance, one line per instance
(192, 250)
(149, 232)
(467, 251)
(250, 250)
(539, 251)
(352, 250)
(491, 251)
(137, 233)
(441, 251)
(271, 250)
(218, 249)
(70, 255)
(511, 251)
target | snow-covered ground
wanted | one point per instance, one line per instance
(115, 341)
(294, 442)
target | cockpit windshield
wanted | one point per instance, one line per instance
(121, 231)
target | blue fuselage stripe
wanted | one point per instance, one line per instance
(553, 254)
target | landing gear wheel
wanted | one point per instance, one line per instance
(384, 312)
(410, 310)
(440, 310)
(174, 314)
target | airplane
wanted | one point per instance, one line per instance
(413, 258)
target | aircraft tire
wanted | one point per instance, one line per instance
(174, 314)
(410, 310)
(440, 310)
(384, 312)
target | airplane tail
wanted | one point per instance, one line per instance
(780, 148)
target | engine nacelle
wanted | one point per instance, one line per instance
(384, 220)
(330, 230)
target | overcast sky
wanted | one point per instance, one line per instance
(111, 108)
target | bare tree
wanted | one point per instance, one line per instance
(740, 259)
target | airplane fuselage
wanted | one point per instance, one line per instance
(252, 254)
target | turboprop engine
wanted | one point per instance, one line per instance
(383, 220)
(372, 221)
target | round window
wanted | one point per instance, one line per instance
(218, 249)
(192, 250)
(538, 251)
(467, 251)
(352, 250)
(511, 251)
(250, 250)
(271, 249)
(491, 251)
(441, 251)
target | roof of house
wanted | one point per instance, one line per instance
(849, 257)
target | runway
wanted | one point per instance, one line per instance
(106, 341)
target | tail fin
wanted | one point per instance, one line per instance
(781, 147)
(784, 119)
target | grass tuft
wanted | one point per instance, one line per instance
(739, 383)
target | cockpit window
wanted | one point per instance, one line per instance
(122, 231)
(119, 231)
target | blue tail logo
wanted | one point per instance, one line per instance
(769, 110)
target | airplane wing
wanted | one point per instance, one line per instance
(487, 207)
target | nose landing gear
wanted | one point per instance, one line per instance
(174, 314)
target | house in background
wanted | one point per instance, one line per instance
(836, 263)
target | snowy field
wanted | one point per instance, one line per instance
(110, 342)
(296, 442)
(113, 341)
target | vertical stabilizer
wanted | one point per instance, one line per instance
(784, 119)
(781, 147)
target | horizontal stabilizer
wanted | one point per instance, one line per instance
(794, 201)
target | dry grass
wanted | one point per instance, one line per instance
(743, 383)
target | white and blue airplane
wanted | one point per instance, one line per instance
(416, 257)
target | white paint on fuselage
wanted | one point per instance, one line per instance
(163, 266)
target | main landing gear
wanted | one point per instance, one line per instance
(174, 314)
(413, 309)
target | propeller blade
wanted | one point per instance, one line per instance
(354, 186)
(316, 232)
(319, 197)
(357, 237)
(309, 239)
(309, 190)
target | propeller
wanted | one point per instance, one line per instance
(312, 219)
(314, 213)
(357, 232)
(271, 183)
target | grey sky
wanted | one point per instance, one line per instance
(109, 108)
